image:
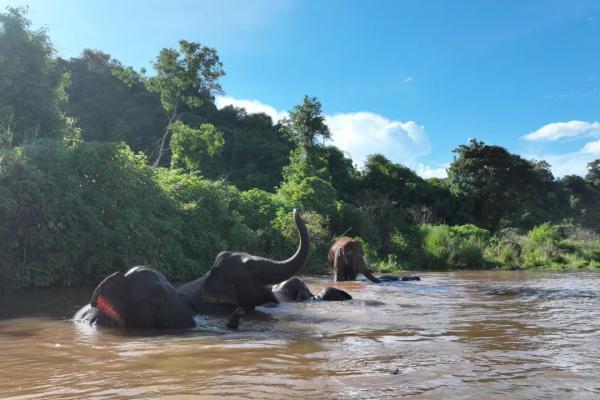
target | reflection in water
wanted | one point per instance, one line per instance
(452, 335)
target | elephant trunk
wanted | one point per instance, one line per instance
(271, 272)
(361, 266)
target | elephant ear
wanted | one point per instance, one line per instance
(110, 297)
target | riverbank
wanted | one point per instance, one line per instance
(442, 247)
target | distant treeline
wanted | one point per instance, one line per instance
(103, 167)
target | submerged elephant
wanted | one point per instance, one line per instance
(347, 259)
(140, 298)
(144, 298)
(295, 290)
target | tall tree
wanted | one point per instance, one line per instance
(306, 122)
(31, 84)
(184, 79)
(491, 181)
(111, 102)
(593, 174)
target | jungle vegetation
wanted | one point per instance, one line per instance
(103, 167)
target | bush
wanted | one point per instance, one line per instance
(71, 216)
(453, 247)
(544, 234)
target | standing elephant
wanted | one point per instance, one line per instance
(144, 298)
(347, 259)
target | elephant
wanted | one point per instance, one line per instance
(242, 280)
(346, 258)
(295, 290)
(144, 298)
(140, 298)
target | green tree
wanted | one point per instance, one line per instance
(593, 174)
(306, 122)
(184, 79)
(31, 83)
(191, 147)
(255, 150)
(111, 103)
(492, 182)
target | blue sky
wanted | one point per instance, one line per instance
(411, 80)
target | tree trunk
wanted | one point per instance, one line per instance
(161, 149)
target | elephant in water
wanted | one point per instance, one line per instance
(140, 298)
(294, 290)
(347, 259)
(144, 298)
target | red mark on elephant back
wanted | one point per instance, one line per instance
(104, 305)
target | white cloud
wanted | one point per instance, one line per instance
(574, 163)
(251, 106)
(407, 79)
(592, 148)
(426, 171)
(558, 130)
(364, 133)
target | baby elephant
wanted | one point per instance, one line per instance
(294, 290)
(347, 259)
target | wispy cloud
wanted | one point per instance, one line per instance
(407, 79)
(574, 162)
(559, 130)
(363, 133)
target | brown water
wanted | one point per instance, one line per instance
(467, 335)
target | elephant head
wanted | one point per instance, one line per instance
(242, 280)
(140, 298)
(294, 290)
(347, 260)
(333, 294)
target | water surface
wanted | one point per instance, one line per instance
(467, 335)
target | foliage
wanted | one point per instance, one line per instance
(593, 174)
(491, 181)
(191, 148)
(183, 79)
(306, 122)
(110, 102)
(31, 83)
(184, 75)
(76, 203)
(73, 215)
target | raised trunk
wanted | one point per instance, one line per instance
(271, 272)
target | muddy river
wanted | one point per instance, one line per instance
(460, 335)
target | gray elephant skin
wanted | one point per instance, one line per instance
(144, 298)
(295, 290)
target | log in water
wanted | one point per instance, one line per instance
(474, 335)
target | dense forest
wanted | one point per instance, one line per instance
(103, 167)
